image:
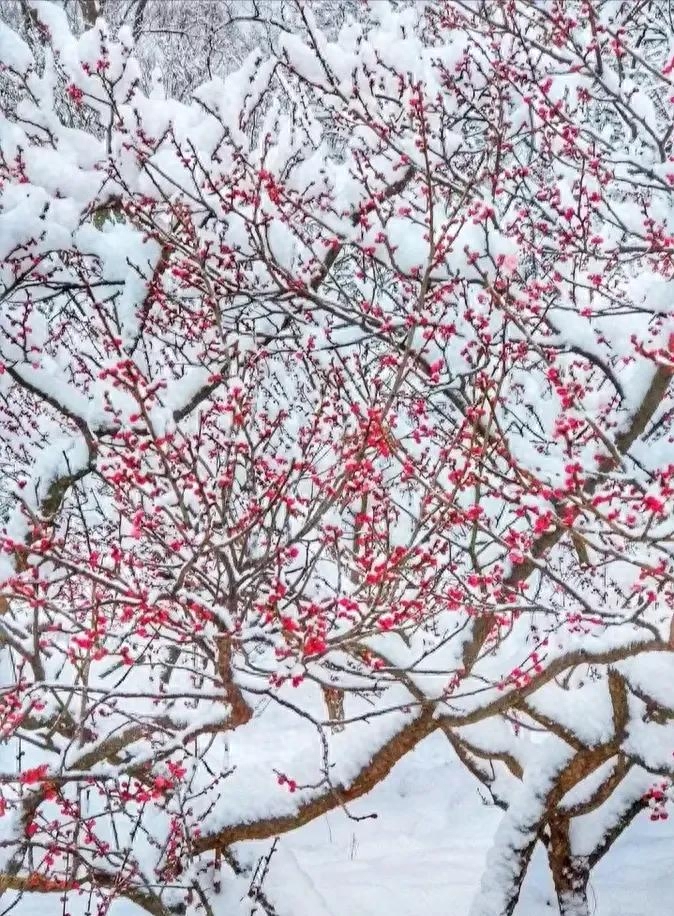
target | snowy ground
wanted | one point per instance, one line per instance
(425, 853)
(423, 856)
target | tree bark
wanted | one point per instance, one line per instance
(570, 873)
(90, 12)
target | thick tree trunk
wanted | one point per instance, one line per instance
(574, 904)
(570, 873)
(90, 12)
